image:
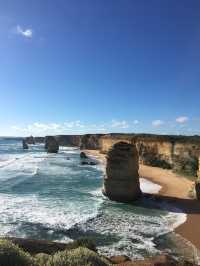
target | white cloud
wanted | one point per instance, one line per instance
(68, 127)
(157, 123)
(119, 124)
(136, 122)
(182, 119)
(27, 33)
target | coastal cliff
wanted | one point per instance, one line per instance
(179, 153)
(91, 141)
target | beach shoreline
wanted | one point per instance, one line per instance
(175, 190)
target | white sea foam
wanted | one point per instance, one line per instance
(148, 186)
(50, 195)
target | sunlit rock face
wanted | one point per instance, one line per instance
(51, 144)
(121, 182)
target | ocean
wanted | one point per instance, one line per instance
(54, 197)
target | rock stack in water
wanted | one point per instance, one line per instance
(30, 140)
(51, 144)
(24, 144)
(121, 182)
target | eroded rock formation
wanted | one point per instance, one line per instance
(83, 155)
(30, 140)
(197, 189)
(179, 153)
(90, 141)
(24, 144)
(68, 140)
(121, 182)
(51, 144)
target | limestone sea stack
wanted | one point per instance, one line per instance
(30, 140)
(83, 155)
(121, 182)
(24, 144)
(51, 144)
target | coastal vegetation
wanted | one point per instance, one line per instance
(74, 255)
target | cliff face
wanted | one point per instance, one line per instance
(90, 141)
(68, 140)
(180, 153)
(172, 152)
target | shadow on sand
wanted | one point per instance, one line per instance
(174, 204)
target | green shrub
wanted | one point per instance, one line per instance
(12, 255)
(41, 259)
(77, 257)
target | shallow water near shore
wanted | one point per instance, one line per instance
(54, 197)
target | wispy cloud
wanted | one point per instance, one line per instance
(182, 119)
(27, 33)
(157, 123)
(119, 124)
(70, 127)
(136, 122)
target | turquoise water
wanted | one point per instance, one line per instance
(52, 196)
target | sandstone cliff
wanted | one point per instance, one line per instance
(179, 153)
(91, 141)
(51, 144)
(121, 182)
(69, 140)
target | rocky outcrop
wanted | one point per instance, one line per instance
(121, 182)
(30, 140)
(91, 141)
(51, 144)
(197, 189)
(39, 139)
(69, 140)
(24, 144)
(83, 155)
(179, 153)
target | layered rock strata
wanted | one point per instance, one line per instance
(51, 144)
(121, 182)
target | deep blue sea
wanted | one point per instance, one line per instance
(54, 197)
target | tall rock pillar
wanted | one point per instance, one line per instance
(121, 182)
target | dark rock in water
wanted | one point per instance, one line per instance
(197, 188)
(84, 163)
(121, 182)
(92, 163)
(88, 163)
(24, 144)
(30, 140)
(83, 155)
(51, 144)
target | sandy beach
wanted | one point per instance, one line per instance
(175, 189)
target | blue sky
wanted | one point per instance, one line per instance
(74, 66)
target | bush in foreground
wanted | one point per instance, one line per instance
(41, 259)
(76, 257)
(12, 255)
